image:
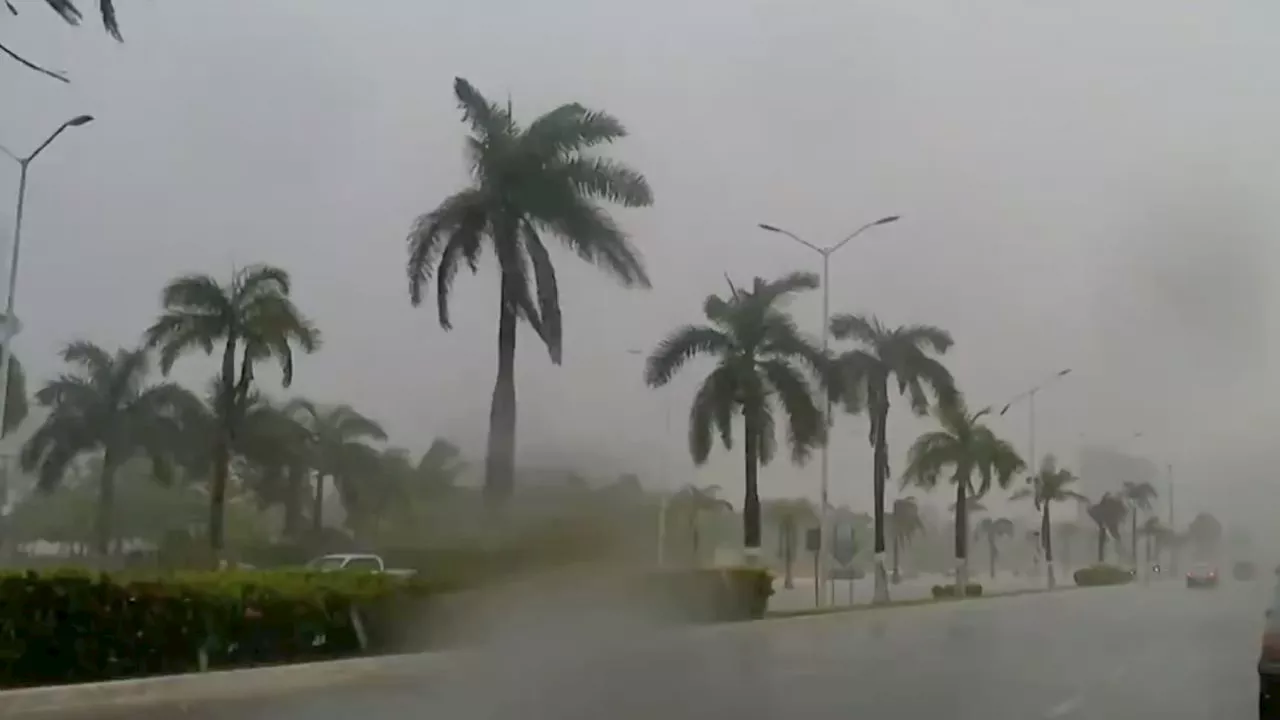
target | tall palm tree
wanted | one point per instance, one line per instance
(340, 451)
(254, 320)
(1050, 485)
(993, 529)
(904, 524)
(963, 447)
(105, 406)
(1138, 496)
(1107, 514)
(883, 355)
(789, 515)
(763, 363)
(528, 184)
(695, 501)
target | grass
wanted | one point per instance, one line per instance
(783, 614)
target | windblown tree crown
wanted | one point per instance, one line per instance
(763, 360)
(529, 183)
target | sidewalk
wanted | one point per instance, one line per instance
(919, 588)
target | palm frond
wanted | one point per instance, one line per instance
(571, 128)
(460, 220)
(861, 328)
(805, 427)
(608, 180)
(548, 292)
(488, 120)
(680, 347)
(926, 336)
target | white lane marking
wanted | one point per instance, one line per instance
(1065, 707)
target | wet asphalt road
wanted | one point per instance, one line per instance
(1138, 652)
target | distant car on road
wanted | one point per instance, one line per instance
(1202, 576)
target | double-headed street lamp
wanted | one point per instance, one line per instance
(10, 320)
(826, 254)
(1030, 396)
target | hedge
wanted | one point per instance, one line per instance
(1102, 575)
(949, 591)
(69, 626)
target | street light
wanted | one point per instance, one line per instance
(826, 254)
(665, 470)
(10, 319)
(1030, 395)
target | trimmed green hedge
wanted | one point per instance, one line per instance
(949, 591)
(1102, 575)
(68, 626)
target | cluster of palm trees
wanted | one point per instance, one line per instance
(105, 406)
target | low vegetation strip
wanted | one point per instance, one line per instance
(68, 627)
(936, 600)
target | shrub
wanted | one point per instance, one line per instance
(949, 591)
(1102, 575)
(65, 627)
(70, 626)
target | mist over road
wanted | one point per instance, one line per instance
(1139, 652)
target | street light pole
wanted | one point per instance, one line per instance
(665, 469)
(1031, 415)
(824, 483)
(10, 320)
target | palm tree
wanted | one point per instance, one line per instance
(1155, 533)
(962, 447)
(103, 405)
(1048, 486)
(1107, 514)
(763, 362)
(695, 501)
(1138, 496)
(882, 355)
(528, 184)
(993, 529)
(1205, 533)
(340, 451)
(254, 319)
(789, 515)
(15, 402)
(275, 449)
(904, 524)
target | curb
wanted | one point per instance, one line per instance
(920, 602)
(239, 684)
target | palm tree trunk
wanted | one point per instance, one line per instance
(751, 502)
(897, 571)
(1046, 537)
(788, 553)
(879, 429)
(499, 466)
(991, 548)
(695, 558)
(106, 510)
(317, 506)
(962, 538)
(293, 502)
(1102, 545)
(1133, 536)
(222, 449)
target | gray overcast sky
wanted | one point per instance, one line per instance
(1086, 184)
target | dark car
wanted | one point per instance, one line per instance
(1269, 661)
(1202, 576)
(1243, 571)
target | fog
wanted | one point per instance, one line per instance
(1087, 185)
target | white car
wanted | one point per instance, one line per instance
(355, 561)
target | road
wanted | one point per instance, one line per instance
(1135, 652)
